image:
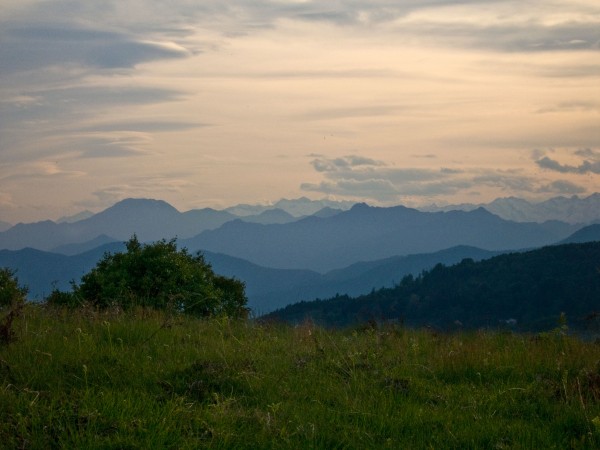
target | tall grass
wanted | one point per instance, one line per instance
(146, 379)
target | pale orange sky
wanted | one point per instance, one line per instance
(216, 103)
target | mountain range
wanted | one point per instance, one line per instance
(267, 288)
(366, 233)
(573, 209)
(330, 239)
(150, 219)
(283, 258)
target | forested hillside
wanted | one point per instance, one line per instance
(526, 291)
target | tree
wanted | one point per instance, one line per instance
(10, 291)
(12, 298)
(158, 275)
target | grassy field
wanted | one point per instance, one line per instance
(149, 380)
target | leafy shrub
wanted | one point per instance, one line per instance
(12, 298)
(10, 291)
(61, 298)
(159, 276)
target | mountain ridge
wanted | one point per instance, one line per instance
(267, 288)
(528, 291)
(365, 233)
(574, 209)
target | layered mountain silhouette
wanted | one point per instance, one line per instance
(149, 219)
(267, 288)
(573, 209)
(526, 291)
(586, 234)
(281, 257)
(366, 233)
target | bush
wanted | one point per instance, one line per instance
(12, 298)
(61, 298)
(159, 276)
(10, 291)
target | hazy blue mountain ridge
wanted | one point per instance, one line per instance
(527, 291)
(155, 219)
(75, 217)
(82, 247)
(584, 210)
(586, 234)
(366, 233)
(40, 271)
(361, 278)
(150, 219)
(267, 288)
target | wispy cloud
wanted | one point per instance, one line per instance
(452, 94)
(359, 177)
(28, 47)
(590, 165)
(379, 182)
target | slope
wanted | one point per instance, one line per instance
(529, 289)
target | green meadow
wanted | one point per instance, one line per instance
(144, 379)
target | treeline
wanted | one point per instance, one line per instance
(524, 291)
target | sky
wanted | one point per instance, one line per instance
(213, 103)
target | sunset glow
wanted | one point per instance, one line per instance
(216, 103)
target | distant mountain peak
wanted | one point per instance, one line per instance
(482, 211)
(142, 202)
(137, 206)
(360, 206)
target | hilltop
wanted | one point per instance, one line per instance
(524, 291)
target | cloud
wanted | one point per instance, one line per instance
(382, 190)
(377, 181)
(587, 166)
(505, 181)
(572, 106)
(563, 187)
(588, 153)
(361, 177)
(570, 71)
(28, 47)
(73, 119)
(83, 82)
(39, 170)
(352, 112)
(52, 103)
(110, 147)
(322, 164)
(143, 126)
(574, 36)
(505, 27)
(151, 186)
